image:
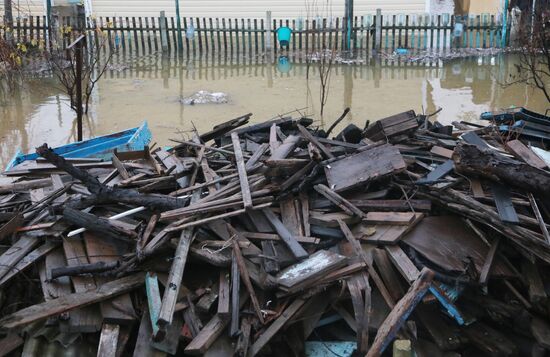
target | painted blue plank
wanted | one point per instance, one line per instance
(329, 349)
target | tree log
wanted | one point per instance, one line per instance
(97, 224)
(471, 160)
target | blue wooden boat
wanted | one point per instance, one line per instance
(516, 114)
(101, 147)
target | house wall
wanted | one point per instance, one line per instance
(235, 8)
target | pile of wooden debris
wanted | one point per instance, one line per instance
(272, 239)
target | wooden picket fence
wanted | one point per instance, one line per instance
(145, 35)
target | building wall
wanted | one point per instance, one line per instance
(235, 8)
(463, 7)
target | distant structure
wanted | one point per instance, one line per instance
(257, 8)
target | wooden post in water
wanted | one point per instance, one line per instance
(178, 24)
(163, 32)
(268, 31)
(348, 24)
(378, 30)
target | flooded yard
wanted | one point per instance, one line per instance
(152, 89)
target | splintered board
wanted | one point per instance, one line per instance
(316, 265)
(365, 166)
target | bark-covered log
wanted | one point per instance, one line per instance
(471, 160)
(104, 193)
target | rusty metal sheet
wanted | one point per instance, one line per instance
(449, 243)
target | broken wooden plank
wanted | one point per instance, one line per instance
(171, 291)
(224, 294)
(15, 253)
(371, 164)
(312, 139)
(108, 340)
(402, 262)
(290, 241)
(11, 226)
(28, 260)
(72, 301)
(243, 271)
(153, 302)
(320, 263)
(393, 218)
(119, 310)
(519, 150)
(268, 334)
(243, 178)
(235, 295)
(538, 215)
(338, 200)
(439, 172)
(488, 264)
(399, 314)
(438, 150)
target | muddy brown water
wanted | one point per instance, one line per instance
(150, 89)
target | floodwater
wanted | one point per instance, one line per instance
(150, 89)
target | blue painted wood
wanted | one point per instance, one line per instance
(153, 299)
(447, 303)
(101, 147)
(516, 114)
(329, 348)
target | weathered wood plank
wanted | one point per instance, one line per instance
(108, 340)
(320, 263)
(243, 178)
(519, 150)
(394, 218)
(170, 296)
(268, 334)
(399, 314)
(297, 250)
(366, 166)
(72, 301)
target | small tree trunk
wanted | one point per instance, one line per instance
(8, 19)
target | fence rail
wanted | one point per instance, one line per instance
(252, 36)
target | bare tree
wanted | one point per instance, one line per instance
(533, 67)
(324, 57)
(64, 65)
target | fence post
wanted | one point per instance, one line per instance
(163, 32)
(348, 24)
(268, 31)
(378, 30)
(504, 24)
(178, 23)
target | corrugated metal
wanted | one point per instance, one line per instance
(236, 8)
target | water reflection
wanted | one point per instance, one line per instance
(149, 88)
